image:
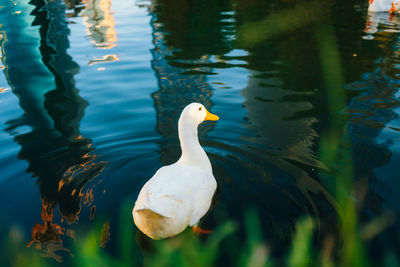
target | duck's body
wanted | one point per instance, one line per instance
(173, 199)
(178, 195)
(392, 6)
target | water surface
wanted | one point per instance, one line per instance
(91, 92)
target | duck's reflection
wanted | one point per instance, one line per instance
(57, 154)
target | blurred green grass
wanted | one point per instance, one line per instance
(188, 249)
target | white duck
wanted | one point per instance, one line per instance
(180, 194)
(391, 6)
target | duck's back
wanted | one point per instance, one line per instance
(176, 196)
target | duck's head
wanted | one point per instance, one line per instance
(197, 113)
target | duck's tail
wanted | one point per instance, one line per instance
(155, 225)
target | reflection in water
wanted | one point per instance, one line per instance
(380, 21)
(272, 114)
(104, 59)
(56, 152)
(100, 23)
(278, 99)
(279, 107)
(373, 108)
(74, 7)
(2, 41)
(184, 54)
(281, 116)
(373, 124)
(105, 234)
(178, 85)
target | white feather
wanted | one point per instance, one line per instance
(180, 194)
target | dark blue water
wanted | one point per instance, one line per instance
(91, 91)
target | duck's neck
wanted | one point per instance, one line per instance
(192, 152)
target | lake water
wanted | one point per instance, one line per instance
(91, 91)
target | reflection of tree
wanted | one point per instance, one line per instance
(56, 152)
(182, 45)
(272, 113)
(280, 112)
(198, 28)
(280, 88)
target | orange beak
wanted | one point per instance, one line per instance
(210, 116)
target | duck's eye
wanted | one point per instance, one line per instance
(199, 108)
